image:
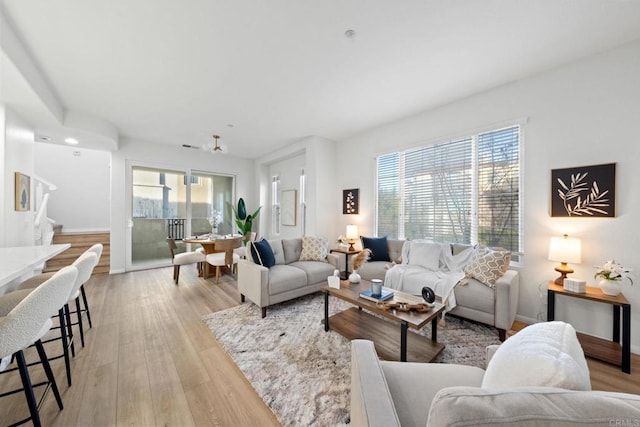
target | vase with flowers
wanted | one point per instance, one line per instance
(215, 219)
(342, 242)
(612, 275)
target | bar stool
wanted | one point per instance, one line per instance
(25, 325)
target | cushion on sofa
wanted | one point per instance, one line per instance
(262, 254)
(531, 406)
(278, 252)
(425, 254)
(545, 354)
(292, 250)
(378, 246)
(316, 271)
(314, 248)
(283, 278)
(488, 267)
(406, 379)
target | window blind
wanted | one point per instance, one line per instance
(462, 191)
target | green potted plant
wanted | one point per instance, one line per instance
(244, 222)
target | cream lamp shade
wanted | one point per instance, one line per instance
(565, 250)
(352, 235)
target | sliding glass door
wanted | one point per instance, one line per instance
(177, 204)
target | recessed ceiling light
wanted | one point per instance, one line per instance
(350, 34)
(71, 141)
(44, 138)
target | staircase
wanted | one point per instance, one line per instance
(80, 242)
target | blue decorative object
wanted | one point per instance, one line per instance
(378, 246)
(262, 253)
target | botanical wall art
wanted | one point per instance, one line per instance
(586, 191)
(350, 201)
(23, 192)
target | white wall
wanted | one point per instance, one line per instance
(17, 145)
(83, 177)
(163, 156)
(582, 114)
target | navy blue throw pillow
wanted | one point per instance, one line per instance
(262, 253)
(378, 247)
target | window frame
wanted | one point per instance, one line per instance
(517, 255)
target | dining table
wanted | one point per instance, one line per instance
(17, 261)
(209, 242)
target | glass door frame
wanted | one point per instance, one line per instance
(130, 165)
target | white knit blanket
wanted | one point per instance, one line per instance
(412, 278)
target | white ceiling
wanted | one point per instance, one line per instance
(175, 72)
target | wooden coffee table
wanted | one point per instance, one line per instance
(357, 323)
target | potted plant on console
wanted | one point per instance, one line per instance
(612, 274)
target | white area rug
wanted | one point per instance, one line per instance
(302, 372)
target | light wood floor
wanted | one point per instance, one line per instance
(149, 360)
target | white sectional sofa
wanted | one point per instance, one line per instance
(289, 278)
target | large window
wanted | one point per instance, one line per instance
(461, 191)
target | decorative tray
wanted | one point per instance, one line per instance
(422, 307)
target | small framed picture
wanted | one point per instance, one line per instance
(584, 192)
(23, 192)
(350, 202)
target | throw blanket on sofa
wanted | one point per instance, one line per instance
(413, 274)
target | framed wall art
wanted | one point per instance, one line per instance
(584, 192)
(288, 207)
(23, 192)
(350, 202)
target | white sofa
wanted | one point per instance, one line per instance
(553, 389)
(495, 306)
(289, 278)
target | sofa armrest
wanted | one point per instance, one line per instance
(507, 288)
(333, 259)
(371, 402)
(253, 282)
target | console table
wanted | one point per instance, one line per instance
(608, 351)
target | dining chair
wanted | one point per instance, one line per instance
(224, 255)
(25, 325)
(183, 258)
(242, 250)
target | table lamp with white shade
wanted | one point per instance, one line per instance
(352, 236)
(565, 249)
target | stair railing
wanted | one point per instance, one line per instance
(42, 225)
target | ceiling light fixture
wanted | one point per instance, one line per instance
(214, 147)
(71, 141)
(217, 147)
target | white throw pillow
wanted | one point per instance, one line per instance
(314, 248)
(425, 254)
(545, 354)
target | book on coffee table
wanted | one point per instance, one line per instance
(386, 294)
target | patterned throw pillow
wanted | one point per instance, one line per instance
(314, 249)
(488, 267)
